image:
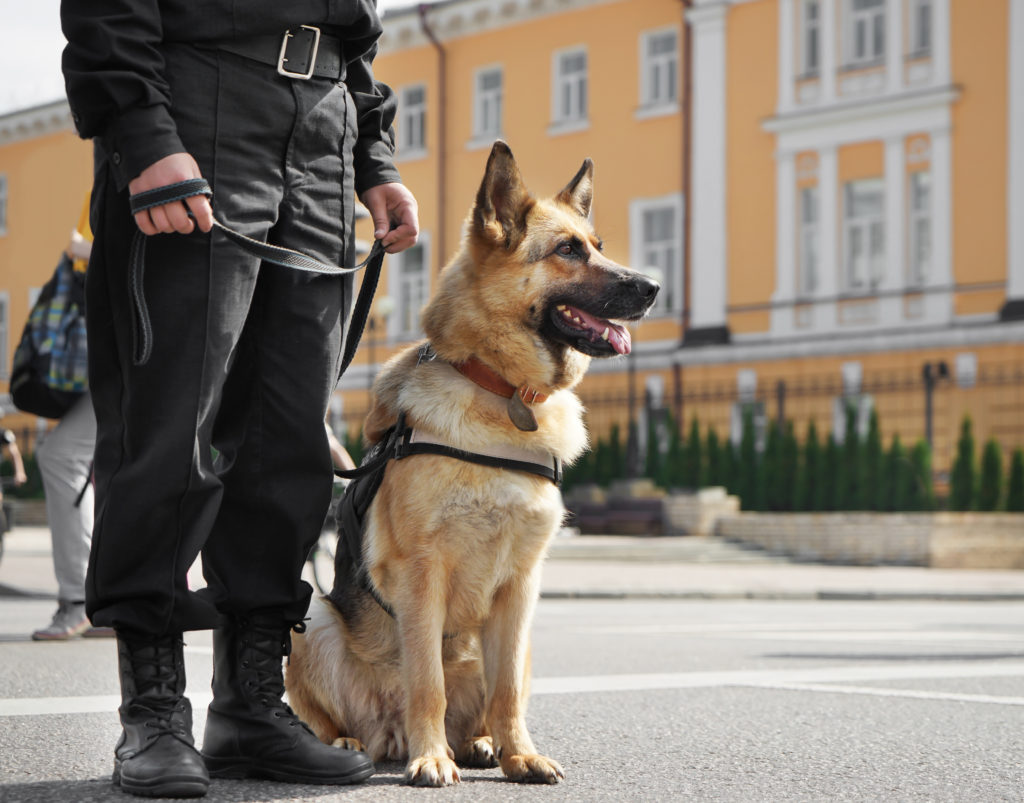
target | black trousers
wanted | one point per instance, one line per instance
(245, 357)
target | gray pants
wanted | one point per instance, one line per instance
(65, 458)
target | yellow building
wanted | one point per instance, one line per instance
(830, 191)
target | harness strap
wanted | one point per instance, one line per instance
(285, 257)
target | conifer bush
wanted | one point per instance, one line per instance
(962, 478)
(1015, 483)
(990, 488)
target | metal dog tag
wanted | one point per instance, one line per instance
(520, 414)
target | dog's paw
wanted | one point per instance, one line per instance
(431, 771)
(349, 743)
(532, 769)
(478, 752)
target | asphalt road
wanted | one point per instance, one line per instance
(656, 700)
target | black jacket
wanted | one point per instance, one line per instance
(113, 70)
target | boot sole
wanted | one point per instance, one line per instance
(186, 786)
(239, 769)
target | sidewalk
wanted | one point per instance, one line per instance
(612, 567)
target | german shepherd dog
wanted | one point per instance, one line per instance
(429, 660)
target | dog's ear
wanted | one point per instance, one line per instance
(579, 193)
(502, 200)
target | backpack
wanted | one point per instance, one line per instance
(49, 371)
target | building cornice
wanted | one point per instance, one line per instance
(455, 19)
(37, 121)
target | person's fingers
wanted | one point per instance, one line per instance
(178, 217)
(145, 223)
(160, 220)
(203, 212)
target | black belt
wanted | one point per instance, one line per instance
(299, 53)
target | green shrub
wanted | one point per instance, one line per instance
(921, 495)
(850, 492)
(827, 491)
(693, 458)
(898, 475)
(715, 458)
(1015, 484)
(962, 492)
(991, 488)
(805, 495)
(746, 468)
(873, 467)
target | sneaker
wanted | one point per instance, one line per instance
(69, 621)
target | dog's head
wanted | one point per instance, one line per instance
(532, 274)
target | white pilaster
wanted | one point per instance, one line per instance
(939, 306)
(942, 43)
(1015, 191)
(787, 52)
(829, 55)
(785, 243)
(829, 258)
(708, 247)
(894, 45)
(891, 307)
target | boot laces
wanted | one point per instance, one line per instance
(266, 683)
(157, 682)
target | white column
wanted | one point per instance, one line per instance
(941, 42)
(707, 205)
(829, 258)
(891, 307)
(1015, 158)
(785, 243)
(894, 45)
(787, 52)
(829, 53)
(939, 306)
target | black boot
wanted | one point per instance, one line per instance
(156, 755)
(250, 732)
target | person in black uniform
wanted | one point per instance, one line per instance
(276, 106)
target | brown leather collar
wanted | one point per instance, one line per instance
(489, 380)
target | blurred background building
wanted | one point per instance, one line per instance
(831, 193)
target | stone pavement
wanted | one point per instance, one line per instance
(609, 567)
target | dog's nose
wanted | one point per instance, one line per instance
(647, 288)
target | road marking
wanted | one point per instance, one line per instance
(784, 679)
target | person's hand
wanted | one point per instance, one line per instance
(20, 478)
(392, 204)
(171, 217)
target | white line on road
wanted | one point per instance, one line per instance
(911, 693)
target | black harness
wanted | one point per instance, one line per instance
(398, 443)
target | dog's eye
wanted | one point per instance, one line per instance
(564, 249)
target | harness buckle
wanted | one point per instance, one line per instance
(282, 59)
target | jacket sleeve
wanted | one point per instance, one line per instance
(376, 106)
(114, 76)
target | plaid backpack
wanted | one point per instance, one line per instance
(49, 371)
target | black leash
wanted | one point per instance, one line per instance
(285, 257)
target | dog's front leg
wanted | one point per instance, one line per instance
(506, 667)
(421, 630)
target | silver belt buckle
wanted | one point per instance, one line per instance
(282, 70)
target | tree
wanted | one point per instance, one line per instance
(789, 460)
(872, 466)
(897, 478)
(849, 494)
(1015, 484)
(767, 470)
(746, 469)
(671, 462)
(991, 488)
(654, 459)
(715, 461)
(693, 461)
(962, 479)
(827, 490)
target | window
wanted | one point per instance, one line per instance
(920, 27)
(487, 104)
(409, 288)
(659, 68)
(864, 234)
(920, 227)
(5, 325)
(569, 98)
(810, 37)
(808, 246)
(3, 204)
(657, 248)
(865, 32)
(412, 115)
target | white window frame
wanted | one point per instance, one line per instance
(659, 74)
(408, 304)
(810, 31)
(4, 203)
(808, 244)
(577, 86)
(488, 103)
(919, 215)
(666, 256)
(5, 332)
(412, 124)
(922, 27)
(866, 21)
(869, 230)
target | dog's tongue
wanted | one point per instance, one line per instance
(618, 336)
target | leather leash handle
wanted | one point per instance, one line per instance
(285, 257)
